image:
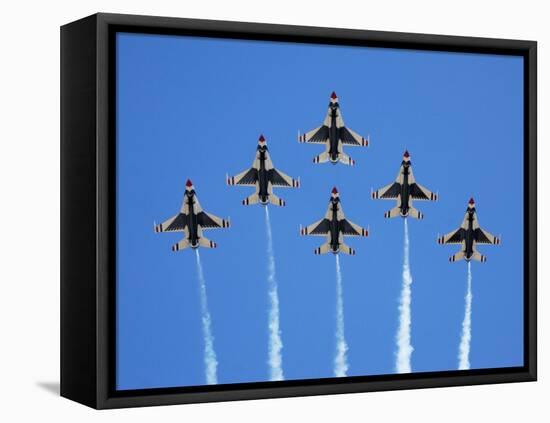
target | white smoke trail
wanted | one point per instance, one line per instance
(340, 360)
(275, 343)
(404, 347)
(210, 361)
(464, 349)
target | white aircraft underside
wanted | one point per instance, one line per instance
(468, 236)
(192, 220)
(334, 135)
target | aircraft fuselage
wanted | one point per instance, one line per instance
(405, 191)
(469, 237)
(334, 228)
(263, 180)
(192, 225)
(333, 135)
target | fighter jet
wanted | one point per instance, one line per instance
(192, 220)
(404, 190)
(334, 226)
(468, 236)
(334, 134)
(264, 177)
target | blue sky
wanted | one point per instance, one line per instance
(194, 108)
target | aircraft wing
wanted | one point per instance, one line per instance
(209, 221)
(454, 237)
(248, 178)
(176, 223)
(351, 229)
(484, 237)
(318, 135)
(279, 179)
(349, 137)
(319, 228)
(390, 191)
(418, 192)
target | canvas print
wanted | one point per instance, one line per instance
(253, 242)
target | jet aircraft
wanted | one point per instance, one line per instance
(404, 190)
(192, 220)
(468, 236)
(334, 135)
(263, 176)
(334, 226)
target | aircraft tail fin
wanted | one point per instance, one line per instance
(252, 199)
(457, 257)
(396, 211)
(323, 249)
(182, 245)
(321, 158)
(273, 199)
(414, 213)
(345, 159)
(346, 249)
(479, 257)
(206, 243)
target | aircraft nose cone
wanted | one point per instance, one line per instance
(333, 96)
(471, 202)
(334, 191)
(406, 154)
(261, 139)
(189, 184)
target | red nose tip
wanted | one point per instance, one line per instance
(261, 139)
(189, 184)
(406, 154)
(472, 202)
(333, 96)
(334, 190)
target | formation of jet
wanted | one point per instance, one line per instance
(334, 226)
(264, 177)
(404, 190)
(468, 236)
(334, 135)
(192, 220)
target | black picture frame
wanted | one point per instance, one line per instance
(88, 208)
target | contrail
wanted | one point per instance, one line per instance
(464, 349)
(340, 360)
(404, 347)
(210, 361)
(275, 343)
